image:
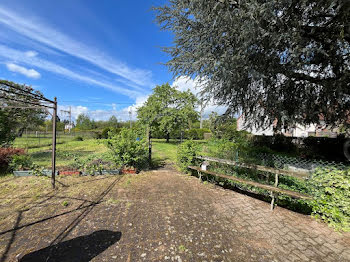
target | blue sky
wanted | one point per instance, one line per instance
(100, 57)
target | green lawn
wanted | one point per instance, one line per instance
(162, 151)
(68, 150)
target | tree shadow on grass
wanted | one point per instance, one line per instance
(82, 249)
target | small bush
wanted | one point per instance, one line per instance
(78, 138)
(129, 149)
(222, 148)
(96, 166)
(105, 132)
(196, 133)
(331, 191)
(186, 154)
(109, 131)
(6, 155)
(21, 162)
(97, 134)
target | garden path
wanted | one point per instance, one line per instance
(159, 215)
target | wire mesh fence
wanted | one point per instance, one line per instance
(71, 148)
(295, 163)
(38, 139)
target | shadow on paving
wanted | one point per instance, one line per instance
(86, 206)
(82, 249)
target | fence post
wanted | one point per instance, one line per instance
(149, 146)
(273, 194)
(54, 119)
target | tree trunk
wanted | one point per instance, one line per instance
(167, 137)
(20, 132)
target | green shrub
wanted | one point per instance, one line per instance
(78, 138)
(222, 148)
(97, 134)
(25, 162)
(6, 156)
(186, 154)
(21, 162)
(129, 149)
(331, 191)
(191, 134)
(196, 133)
(105, 131)
(109, 131)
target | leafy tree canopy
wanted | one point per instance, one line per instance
(113, 122)
(271, 59)
(14, 120)
(84, 122)
(168, 109)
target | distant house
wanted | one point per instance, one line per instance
(68, 126)
(316, 130)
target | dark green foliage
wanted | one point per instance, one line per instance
(21, 162)
(277, 143)
(78, 138)
(323, 148)
(272, 60)
(13, 121)
(105, 132)
(195, 133)
(129, 149)
(6, 125)
(109, 131)
(186, 153)
(331, 191)
(7, 155)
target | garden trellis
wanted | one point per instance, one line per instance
(8, 91)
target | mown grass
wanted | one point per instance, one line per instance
(163, 151)
(67, 150)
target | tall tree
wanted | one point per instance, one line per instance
(14, 118)
(168, 109)
(272, 59)
(113, 122)
(84, 122)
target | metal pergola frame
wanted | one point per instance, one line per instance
(36, 104)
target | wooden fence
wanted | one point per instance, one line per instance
(274, 189)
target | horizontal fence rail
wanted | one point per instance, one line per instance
(297, 174)
(274, 189)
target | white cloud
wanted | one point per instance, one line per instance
(38, 31)
(31, 53)
(184, 83)
(9, 53)
(99, 114)
(76, 110)
(31, 73)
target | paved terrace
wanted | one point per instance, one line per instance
(156, 216)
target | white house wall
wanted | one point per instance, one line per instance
(298, 131)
